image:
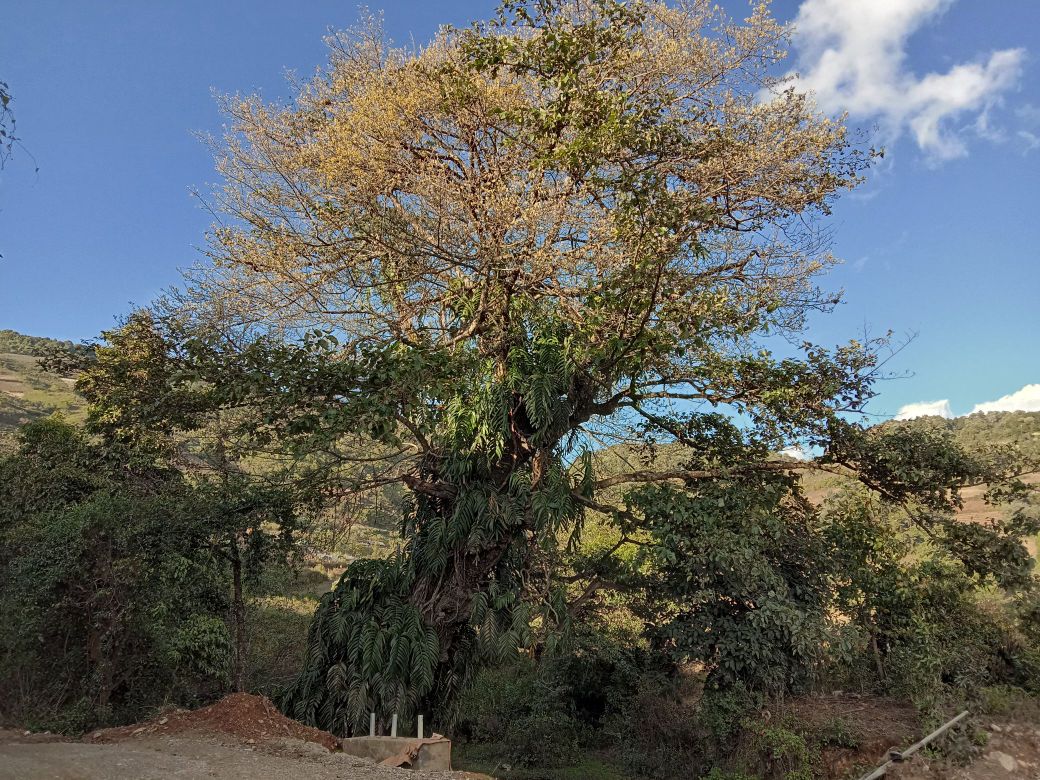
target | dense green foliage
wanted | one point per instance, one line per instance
(128, 549)
(110, 609)
(124, 578)
(450, 279)
(733, 604)
(737, 580)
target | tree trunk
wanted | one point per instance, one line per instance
(877, 656)
(238, 612)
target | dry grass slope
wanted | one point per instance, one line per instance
(27, 392)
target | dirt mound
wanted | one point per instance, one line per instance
(252, 719)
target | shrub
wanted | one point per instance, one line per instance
(520, 709)
(111, 604)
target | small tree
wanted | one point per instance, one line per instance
(141, 405)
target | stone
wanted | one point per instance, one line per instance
(1008, 763)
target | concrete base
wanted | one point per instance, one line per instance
(433, 754)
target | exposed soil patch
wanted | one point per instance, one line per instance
(252, 719)
(868, 718)
(1012, 751)
(871, 724)
(241, 737)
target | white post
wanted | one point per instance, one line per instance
(419, 729)
(393, 725)
(372, 724)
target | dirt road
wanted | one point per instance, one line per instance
(187, 757)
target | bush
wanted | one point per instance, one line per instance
(656, 735)
(521, 710)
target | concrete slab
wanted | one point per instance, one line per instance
(433, 754)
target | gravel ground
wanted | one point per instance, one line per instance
(189, 756)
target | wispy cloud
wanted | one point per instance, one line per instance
(925, 409)
(853, 56)
(1031, 140)
(1029, 135)
(1025, 400)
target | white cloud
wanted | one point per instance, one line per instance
(796, 452)
(925, 409)
(1025, 400)
(853, 56)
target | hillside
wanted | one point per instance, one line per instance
(13, 342)
(985, 428)
(28, 392)
(1021, 429)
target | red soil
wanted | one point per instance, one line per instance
(253, 719)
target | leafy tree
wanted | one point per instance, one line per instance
(140, 405)
(936, 605)
(463, 268)
(21, 344)
(737, 580)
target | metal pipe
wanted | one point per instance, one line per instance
(895, 756)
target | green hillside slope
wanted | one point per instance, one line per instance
(28, 392)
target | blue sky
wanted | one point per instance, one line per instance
(943, 241)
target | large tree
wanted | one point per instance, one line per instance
(465, 267)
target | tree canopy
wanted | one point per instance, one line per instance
(463, 268)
